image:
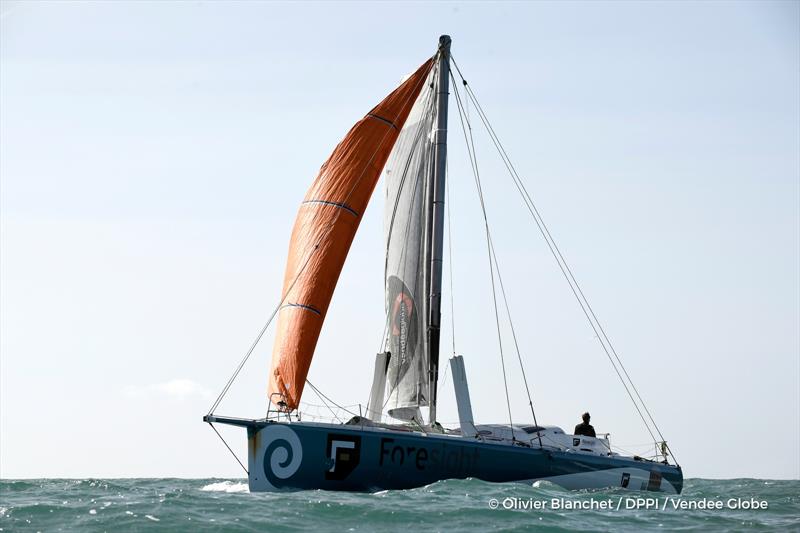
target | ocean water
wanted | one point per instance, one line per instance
(89, 505)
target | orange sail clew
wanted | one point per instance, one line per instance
(323, 231)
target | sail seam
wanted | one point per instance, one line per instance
(303, 306)
(334, 204)
(384, 120)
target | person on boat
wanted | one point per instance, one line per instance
(585, 428)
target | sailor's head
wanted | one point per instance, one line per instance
(586, 417)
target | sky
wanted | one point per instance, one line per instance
(153, 156)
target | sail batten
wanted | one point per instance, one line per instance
(326, 223)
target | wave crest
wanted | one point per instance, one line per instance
(226, 486)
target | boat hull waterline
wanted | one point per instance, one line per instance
(307, 455)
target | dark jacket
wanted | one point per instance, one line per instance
(585, 429)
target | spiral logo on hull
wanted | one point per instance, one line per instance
(283, 454)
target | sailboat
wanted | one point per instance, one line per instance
(393, 445)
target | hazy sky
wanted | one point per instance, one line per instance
(153, 156)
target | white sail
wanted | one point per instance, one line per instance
(406, 174)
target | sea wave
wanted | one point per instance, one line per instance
(197, 505)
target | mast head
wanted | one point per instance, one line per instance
(444, 43)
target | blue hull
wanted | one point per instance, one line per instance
(300, 455)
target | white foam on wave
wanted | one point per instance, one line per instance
(226, 486)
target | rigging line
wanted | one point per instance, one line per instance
(444, 378)
(493, 255)
(229, 449)
(573, 282)
(555, 251)
(429, 254)
(322, 395)
(476, 175)
(266, 325)
(327, 231)
(351, 406)
(627, 450)
(323, 401)
(566, 271)
(450, 257)
(514, 336)
(585, 306)
(248, 354)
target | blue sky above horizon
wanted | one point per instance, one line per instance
(153, 154)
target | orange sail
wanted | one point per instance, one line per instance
(323, 231)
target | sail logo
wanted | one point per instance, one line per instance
(283, 453)
(404, 374)
(344, 454)
(403, 317)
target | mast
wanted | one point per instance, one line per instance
(435, 222)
